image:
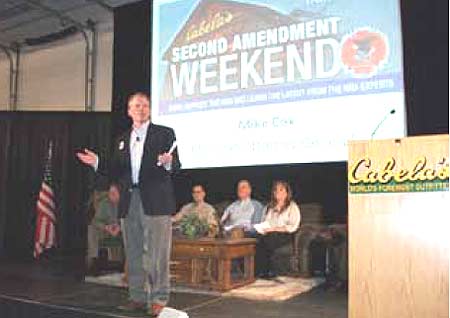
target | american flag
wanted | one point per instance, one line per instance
(45, 235)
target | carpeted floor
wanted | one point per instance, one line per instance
(278, 289)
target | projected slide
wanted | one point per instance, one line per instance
(273, 82)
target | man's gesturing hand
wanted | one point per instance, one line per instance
(88, 157)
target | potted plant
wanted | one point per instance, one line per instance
(193, 227)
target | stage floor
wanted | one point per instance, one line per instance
(30, 290)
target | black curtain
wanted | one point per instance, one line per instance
(425, 55)
(5, 129)
(131, 58)
(25, 137)
(425, 40)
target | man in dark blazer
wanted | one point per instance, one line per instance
(143, 160)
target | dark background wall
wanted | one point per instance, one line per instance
(425, 37)
(425, 55)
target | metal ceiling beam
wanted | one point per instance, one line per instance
(103, 5)
(63, 17)
(21, 24)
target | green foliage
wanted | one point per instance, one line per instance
(193, 227)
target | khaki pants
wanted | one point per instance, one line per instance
(148, 241)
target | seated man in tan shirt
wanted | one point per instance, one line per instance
(204, 210)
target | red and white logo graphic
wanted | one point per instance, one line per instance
(364, 51)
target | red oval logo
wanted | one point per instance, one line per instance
(363, 52)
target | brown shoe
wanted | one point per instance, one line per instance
(156, 310)
(133, 306)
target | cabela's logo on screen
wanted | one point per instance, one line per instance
(423, 175)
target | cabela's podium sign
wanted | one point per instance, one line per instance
(398, 225)
(424, 172)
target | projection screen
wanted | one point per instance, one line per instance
(274, 82)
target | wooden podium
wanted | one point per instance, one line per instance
(399, 228)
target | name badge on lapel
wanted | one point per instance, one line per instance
(121, 145)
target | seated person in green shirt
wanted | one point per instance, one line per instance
(104, 224)
(204, 210)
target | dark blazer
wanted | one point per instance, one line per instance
(155, 182)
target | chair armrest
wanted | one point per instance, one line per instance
(307, 233)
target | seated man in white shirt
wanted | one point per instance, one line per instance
(244, 212)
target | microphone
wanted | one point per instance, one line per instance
(138, 139)
(391, 112)
(172, 148)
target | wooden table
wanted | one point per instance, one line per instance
(218, 264)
